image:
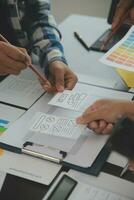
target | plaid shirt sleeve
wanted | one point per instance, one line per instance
(42, 32)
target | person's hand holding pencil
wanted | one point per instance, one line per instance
(12, 59)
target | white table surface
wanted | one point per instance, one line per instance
(85, 63)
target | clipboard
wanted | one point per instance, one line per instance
(15, 139)
(87, 156)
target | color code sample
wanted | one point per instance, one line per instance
(122, 54)
(3, 125)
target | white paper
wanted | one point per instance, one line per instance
(22, 90)
(2, 178)
(8, 115)
(56, 126)
(28, 167)
(70, 100)
(83, 95)
(122, 54)
(108, 182)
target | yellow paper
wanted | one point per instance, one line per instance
(1, 152)
(127, 76)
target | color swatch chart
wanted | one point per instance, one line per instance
(122, 54)
(3, 125)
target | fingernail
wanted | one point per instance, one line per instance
(79, 120)
(60, 88)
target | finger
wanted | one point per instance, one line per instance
(13, 52)
(101, 126)
(50, 89)
(88, 117)
(47, 86)
(121, 9)
(58, 75)
(108, 129)
(12, 64)
(28, 58)
(70, 81)
(93, 125)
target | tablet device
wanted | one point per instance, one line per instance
(118, 36)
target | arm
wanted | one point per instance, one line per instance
(45, 42)
(121, 9)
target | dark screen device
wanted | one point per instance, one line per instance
(96, 46)
(63, 189)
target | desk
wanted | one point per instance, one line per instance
(87, 63)
(82, 62)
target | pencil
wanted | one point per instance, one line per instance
(30, 66)
(114, 31)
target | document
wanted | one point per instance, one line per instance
(56, 126)
(29, 167)
(73, 185)
(122, 54)
(70, 100)
(120, 189)
(8, 115)
(22, 90)
(81, 97)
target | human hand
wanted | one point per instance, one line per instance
(100, 127)
(121, 9)
(131, 165)
(101, 116)
(12, 59)
(60, 78)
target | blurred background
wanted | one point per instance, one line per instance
(63, 8)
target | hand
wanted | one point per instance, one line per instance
(12, 59)
(101, 116)
(100, 127)
(131, 165)
(60, 78)
(121, 9)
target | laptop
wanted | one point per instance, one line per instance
(118, 36)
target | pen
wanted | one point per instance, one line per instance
(82, 42)
(30, 66)
(124, 170)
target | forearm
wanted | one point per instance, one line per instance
(43, 33)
